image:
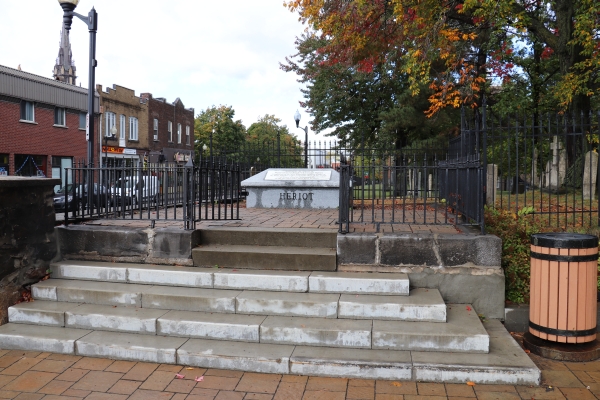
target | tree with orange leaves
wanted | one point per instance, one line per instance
(446, 44)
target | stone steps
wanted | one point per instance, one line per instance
(267, 249)
(422, 305)
(265, 257)
(243, 279)
(506, 363)
(302, 322)
(462, 332)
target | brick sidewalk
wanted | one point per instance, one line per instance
(33, 376)
(289, 218)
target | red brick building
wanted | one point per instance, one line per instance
(42, 124)
(170, 130)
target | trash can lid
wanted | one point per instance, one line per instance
(564, 240)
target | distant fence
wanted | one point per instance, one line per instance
(546, 165)
(156, 192)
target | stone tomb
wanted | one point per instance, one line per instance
(293, 188)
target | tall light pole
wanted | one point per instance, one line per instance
(305, 129)
(92, 22)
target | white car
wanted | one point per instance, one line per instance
(131, 191)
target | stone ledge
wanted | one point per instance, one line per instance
(26, 181)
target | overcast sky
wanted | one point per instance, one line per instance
(204, 52)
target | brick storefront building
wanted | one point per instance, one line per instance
(42, 124)
(126, 112)
(171, 130)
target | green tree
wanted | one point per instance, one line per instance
(227, 134)
(372, 106)
(272, 143)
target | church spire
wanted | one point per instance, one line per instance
(64, 70)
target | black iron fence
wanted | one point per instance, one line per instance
(209, 190)
(546, 165)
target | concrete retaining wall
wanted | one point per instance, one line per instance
(27, 240)
(464, 268)
(124, 244)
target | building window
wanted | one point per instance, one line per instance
(122, 134)
(133, 128)
(178, 133)
(82, 120)
(27, 111)
(155, 130)
(170, 131)
(60, 116)
(187, 135)
(111, 120)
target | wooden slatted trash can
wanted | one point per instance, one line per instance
(564, 269)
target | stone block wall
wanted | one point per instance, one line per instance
(27, 238)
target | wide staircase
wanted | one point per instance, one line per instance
(287, 318)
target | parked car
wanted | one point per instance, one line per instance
(130, 190)
(77, 196)
(63, 196)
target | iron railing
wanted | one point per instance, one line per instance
(189, 193)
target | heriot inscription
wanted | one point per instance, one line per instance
(296, 196)
(297, 175)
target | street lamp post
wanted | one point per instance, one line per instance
(92, 22)
(305, 129)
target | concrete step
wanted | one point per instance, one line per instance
(44, 313)
(51, 339)
(280, 281)
(237, 327)
(421, 305)
(463, 332)
(289, 304)
(269, 237)
(255, 357)
(190, 299)
(351, 363)
(358, 283)
(76, 291)
(130, 346)
(147, 274)
(265, 257)
(506, 362)
(345, 333)
(110, 318)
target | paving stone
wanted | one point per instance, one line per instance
(459, 390)
(52, 366)
(561, 378)
(431, 389)
(323, 395)
(93, 364)
(395, 387)
(97, 381)
(72, 374)
(289, 391)
(20, 366)
(159, 380)
(217, 383)
(55, 387)
(141, 394)
(360, 393)
(124, 387)
(328, 384)
(120, 366)
(140, 371)
(30, 381)
(577, 393)
(181, 386)
(258, 383)
(223, 395)
(106, 396)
